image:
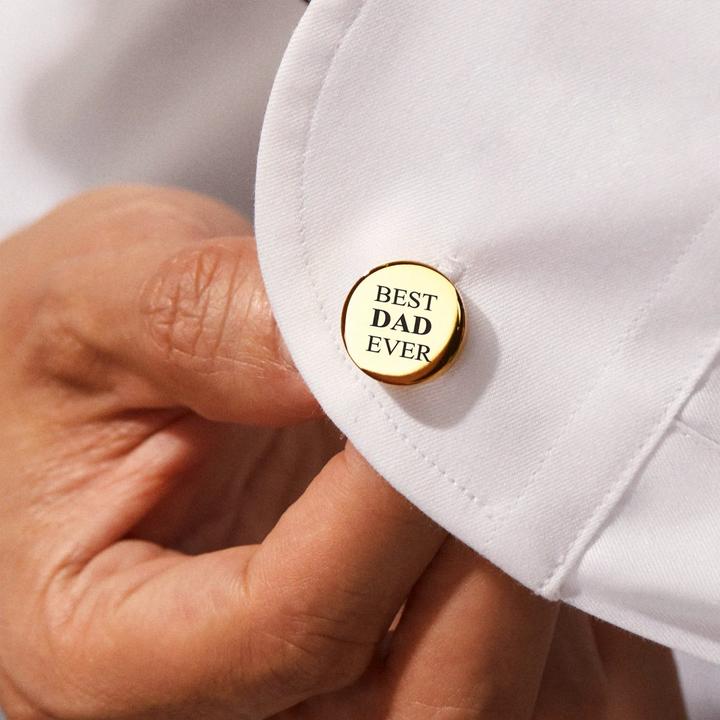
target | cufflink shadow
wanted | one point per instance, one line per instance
(444, 401)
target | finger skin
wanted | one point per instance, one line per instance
(364, 546)
(574, 683)
(471, 643)
(155, 302)
(641, 675)
(600, 672)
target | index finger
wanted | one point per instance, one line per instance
(338, 566)
(255, 629)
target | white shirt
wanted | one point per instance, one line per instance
(559, 161)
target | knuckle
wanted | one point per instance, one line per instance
(196, 302)
(50, 658)
(311, 654)
(57, 341)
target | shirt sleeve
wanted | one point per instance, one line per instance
(560, 163)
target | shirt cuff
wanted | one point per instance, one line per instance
(561, 164)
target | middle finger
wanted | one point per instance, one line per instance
(472, 643)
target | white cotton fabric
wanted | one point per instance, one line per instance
(35, 36)
(561, 162)
(124, 91)
(660, 547)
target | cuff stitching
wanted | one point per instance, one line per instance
(696, 435)
(363, 4)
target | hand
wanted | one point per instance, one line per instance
(181, 533)
(153, 438)
(464, 614)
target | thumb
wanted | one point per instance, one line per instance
(177, 305)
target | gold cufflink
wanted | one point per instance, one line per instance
(403, 323)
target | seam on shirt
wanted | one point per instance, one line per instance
(364, 4)
(664, 282)
(621, 484)
(569, 558)
(700, 438)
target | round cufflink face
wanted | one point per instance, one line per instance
(403, 323)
